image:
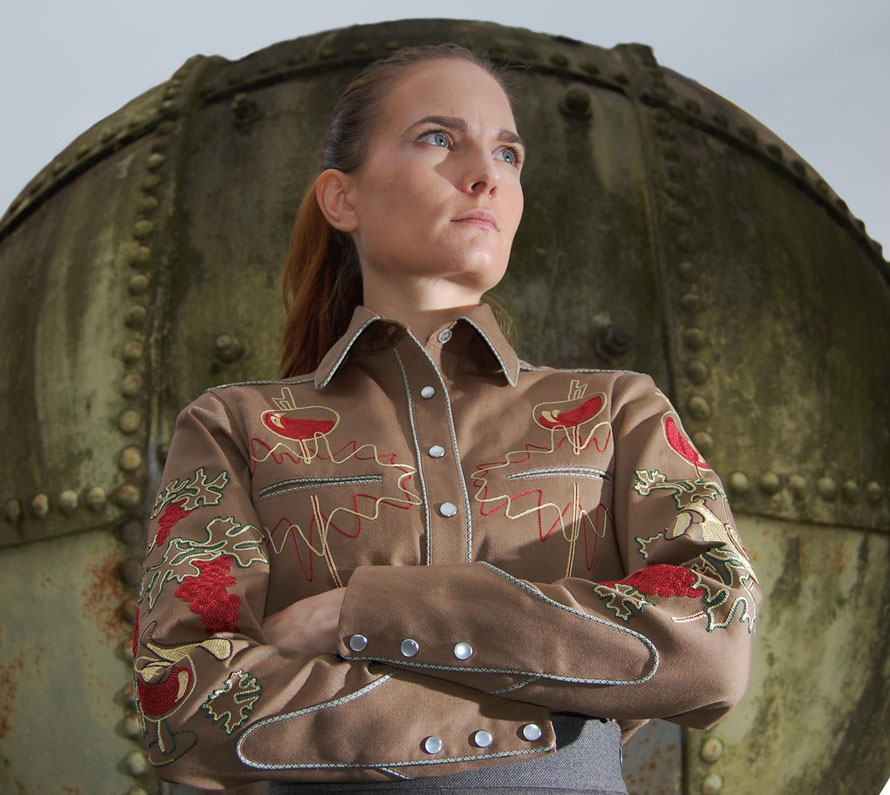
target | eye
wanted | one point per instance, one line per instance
(509, 155)
(437, 138)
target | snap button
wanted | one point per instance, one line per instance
(358, 642)
(437, 451)
(463, 651)
(447, 509)
(427, 392)
(432, 745)
(445, 335)
(531, 732)
(410, 647)
(482, 739)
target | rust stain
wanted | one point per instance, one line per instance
(9, 685)
(102, 595)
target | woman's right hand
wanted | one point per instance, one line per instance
(307, 625)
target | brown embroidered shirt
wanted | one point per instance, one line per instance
(514, 541)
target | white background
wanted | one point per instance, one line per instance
(816, 72)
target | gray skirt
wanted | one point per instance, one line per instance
(588, 760)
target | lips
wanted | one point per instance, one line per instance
(482, 218)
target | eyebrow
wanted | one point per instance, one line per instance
(454, 123)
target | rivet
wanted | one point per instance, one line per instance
(699, 408)
(859, 224)
(559, 59)
(151, 182)
(35, 184)
(227, 349)
(688, 271)
(160, 143)
(148, 204)
(129, 692)
(12, 511)
(95, 498)
(841, 205)
(691, 302)
(166, 127)
(58, 167)
(138, 283)
(590, 67)
(873, 491)
(827, 488)
(712, 784)
(327, 52)
(748, 134)
(798, 168)
(694, 339)
(107, 134)
(130, 458)
(692, 106)
(622, 78)
(40, 506)
(133, 533)
(130, 571)
(770, 483)
(797, 484)
(392, 44)
(704, 442)
(68, 502)
(576, 102)
(83, 150)
(720, 120)
(851, 489)
(613, 342)
(130, 607)
(775, 150)
(244, 109)
(131, 385)
(140, 256)
(132, 726)
(738, 482)
(135, 315)
(362, 48)
(154, 161)
(136, 763)
(137, 790)
(132, 351)
(711, 749)
(170, 92)
(129, 496)
(129, 421)
(822, 186)
(697, 371)
(142, 229)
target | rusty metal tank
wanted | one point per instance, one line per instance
(665, 230)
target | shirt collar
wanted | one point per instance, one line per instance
(371, 331)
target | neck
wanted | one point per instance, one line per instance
(422, 305)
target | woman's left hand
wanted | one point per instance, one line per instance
(307, 625)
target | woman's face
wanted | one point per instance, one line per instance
(439, 193)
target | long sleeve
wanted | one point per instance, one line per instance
(671, 638)
(220, 706)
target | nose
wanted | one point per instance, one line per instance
(480, 174)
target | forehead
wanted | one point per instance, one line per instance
(448, 87)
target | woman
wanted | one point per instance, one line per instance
(416, 560)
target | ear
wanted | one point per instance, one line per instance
(331, 191)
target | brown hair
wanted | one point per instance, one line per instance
(322, 278)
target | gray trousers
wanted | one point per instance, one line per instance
(588, 760)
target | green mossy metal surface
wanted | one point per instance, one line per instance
(665, 230)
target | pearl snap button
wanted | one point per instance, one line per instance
(410, 647)
(445, 335)
(432, 745)
(447, 509)
(358, 642)
(531, 732)
(427, 392)
(437, 451)
(482, 739)
(463, 651)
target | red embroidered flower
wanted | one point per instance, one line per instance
(663, 579)
(169, 518)
(208, 597)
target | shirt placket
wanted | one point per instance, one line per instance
(446, 511)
